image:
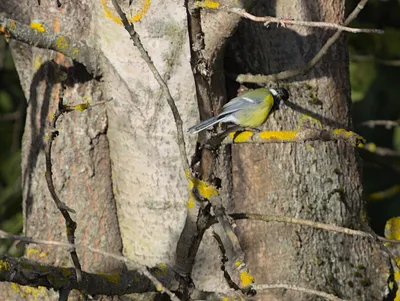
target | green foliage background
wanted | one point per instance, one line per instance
(12, 116)
(375, 82)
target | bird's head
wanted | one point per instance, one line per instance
(280, 94)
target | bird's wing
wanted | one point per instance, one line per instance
(237, 104)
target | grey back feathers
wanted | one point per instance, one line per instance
(235, 105)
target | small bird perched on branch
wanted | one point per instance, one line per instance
(250, 109)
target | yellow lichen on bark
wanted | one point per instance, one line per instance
(135, 18)
(24, 291)
(241, 137)
(206, 190)
(246, 278)
(114, 278)
(246, 136)
(4, 265)
(279, 135)
(61, 42)
(38, 26)
(207, 4)
(12, 25)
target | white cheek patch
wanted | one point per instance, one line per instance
(273, 92)
(248, 99)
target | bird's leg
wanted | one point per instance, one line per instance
(251, 129)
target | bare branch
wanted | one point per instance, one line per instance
(299, 289)
(141, 269)
(10, 116)
(145, 56)
(385, 62)
(69, 222)
(262, 79)
(304, 222)
(224, 259)
(386, 123)
(247, 280)
(191, 237)
(384, 194)
(284, 22)
(78, 51)
(26, 272)
(381, 151)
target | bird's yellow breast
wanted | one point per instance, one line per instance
(255, 116)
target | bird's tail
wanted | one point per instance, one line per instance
(203, 125)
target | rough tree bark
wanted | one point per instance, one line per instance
(300, 180)
(81, 161)
(118, 165)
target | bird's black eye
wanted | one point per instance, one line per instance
(283, 93)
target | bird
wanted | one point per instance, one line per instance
(250, 109)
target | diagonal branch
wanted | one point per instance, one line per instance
(224, 259)
(76, 50)
(304, 222)
(262, 79)
(247, 280)
(146, 57)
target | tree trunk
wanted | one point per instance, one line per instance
(118, 164)
(81, 160)
(300, 180)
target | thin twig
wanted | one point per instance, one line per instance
(69, 222)
(284, 22)
(10, 116)
(146, 57)
(261, 79)
(386, 123)
(223, 260)
(299, 289)
(304, 222)
(385, 62)
(240, 262)
(384, 194)
(381, 151)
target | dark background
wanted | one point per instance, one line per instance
(375, 82)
